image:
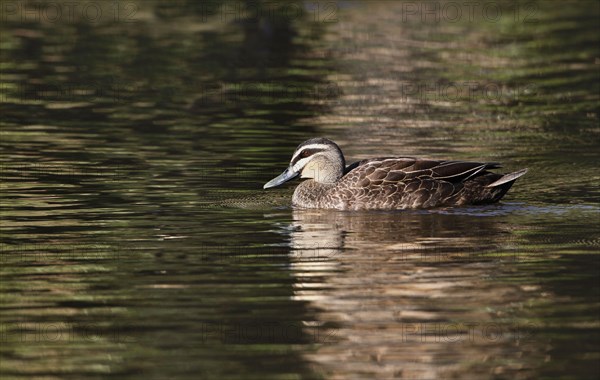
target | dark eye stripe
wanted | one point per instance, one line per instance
(305, 153)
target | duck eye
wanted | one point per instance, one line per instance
(305, 154)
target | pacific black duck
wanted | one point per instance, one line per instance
(389, 182)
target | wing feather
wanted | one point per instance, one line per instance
(407, 168)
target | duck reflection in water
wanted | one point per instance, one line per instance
(411, 294)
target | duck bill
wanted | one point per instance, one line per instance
(288, 174)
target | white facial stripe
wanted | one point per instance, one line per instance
(311, 146)
(300, 164)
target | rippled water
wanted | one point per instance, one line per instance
(136, 239)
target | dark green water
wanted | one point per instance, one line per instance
(137, 243)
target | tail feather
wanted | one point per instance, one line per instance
(510, 177)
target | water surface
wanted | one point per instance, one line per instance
(137, 242)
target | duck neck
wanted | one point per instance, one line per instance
(310, 193)
(329, 172)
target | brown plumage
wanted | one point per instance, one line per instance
(390, 182)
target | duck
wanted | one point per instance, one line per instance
(388, 183)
